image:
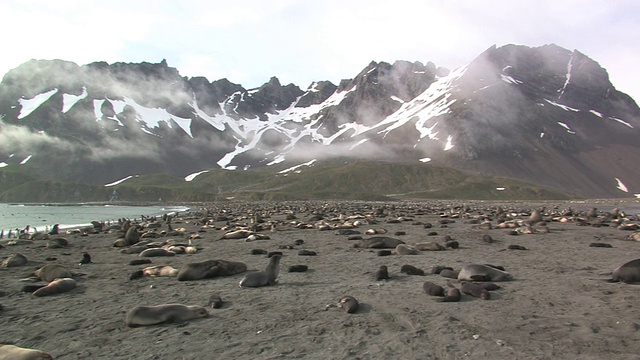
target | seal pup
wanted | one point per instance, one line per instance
(215, 301)
(452, 294)
(86, 258)
(628, 272)
(263, 278)
(57, 286)
(411, 270)
(19, 353)
(382, 273)
(167, 313)
(433, 289)
(349, 304)
(475, 290)
(478, 272)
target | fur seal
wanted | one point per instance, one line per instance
(215, 301)
(167, 313)
(86, 258)
(478, 272)
(411, 270)
(382, 273)
(307, 253)
(475, 290)
(600, 245)
(14, 260)
(378, 242)
(404, 249)
(210, 269)
(628, 272)
(437, 269)
(258, 252)
(160, 270)
(433, 289)
(516, 247)
(57, 243)
(57, 286)
(237, 234)
(51, 272)
(154, 252)
(12, 352)
(349, 304)
(383, 252)
(452, 294)
(263, 278)
(132, 236)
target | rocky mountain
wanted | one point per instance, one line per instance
(545, 115)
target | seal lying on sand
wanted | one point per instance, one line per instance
(210, 269)
(18, 353)
(378, 242)
(57, 286)
(349, 304)
(628, 272)
(263, 278)
(168, 313)
(51, 272)
(478, 272)
(475, 290)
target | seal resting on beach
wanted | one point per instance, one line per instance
(433, 289)
(378, 242)
(13, 352)
(167, 313)
(404, 249)
(14, 260)
(628, 272)
(411, 270)
(57, 286)
(154, 252)
(349, 304)
(210, 269)
(160, 270)
(475, 290)
(382, 273)
(237, 234)
(51, 272)
(479, 272)
(263, 278)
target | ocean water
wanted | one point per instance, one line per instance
(14, 216)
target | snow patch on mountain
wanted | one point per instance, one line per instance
(120, 181)
(621, 186)
(68, 100)
(25, 160)
(30, 105)
(293, 168)
(190, 177)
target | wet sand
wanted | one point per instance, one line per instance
(558, 305)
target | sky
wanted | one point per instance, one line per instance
(299, 42)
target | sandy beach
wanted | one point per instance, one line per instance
(558, 306)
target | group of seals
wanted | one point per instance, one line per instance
(263, 278)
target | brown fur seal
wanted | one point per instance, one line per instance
(404, 249)
(378, 242)
(215, 301)
(210, 269)
(349, 304)
(449, 274)
(154, 252)
(51, 272)
(263, 278)
(628, 272)
(476, 290)
(14, 260)
(479, 272)
(411, 270)
(238, 234)
(57, 286)
(57, 243)
(452, 294)
(432, 289)
(382, 273)
(167, 313)
(12, 352)
(160, 270)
